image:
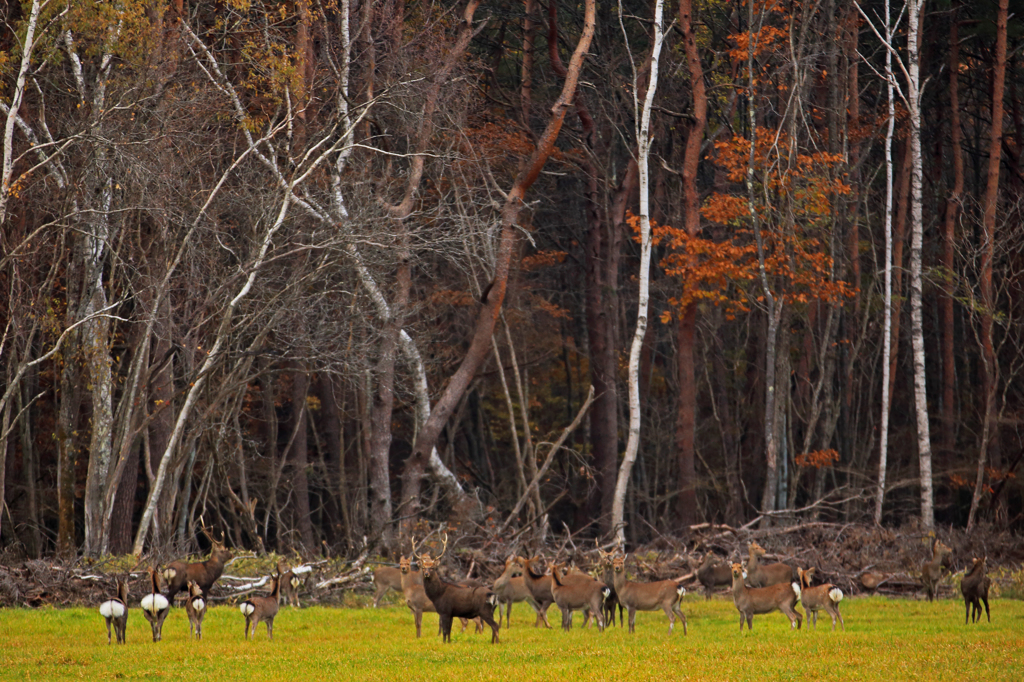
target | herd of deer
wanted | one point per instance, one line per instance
(757, 588)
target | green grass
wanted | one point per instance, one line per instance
(885, 640)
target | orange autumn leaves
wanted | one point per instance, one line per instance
(797, 260)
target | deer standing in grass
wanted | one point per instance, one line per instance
(578, 592)
(386, 578)
(713, 573)
(155, 606)
(824, 597)
(195, 607)
(770, 574)
(974, 587)
(416, 597)
(605, 560)
(757, 600)
(292, 580)
(663, 594)
(456, 601)
(539, 585)
(115, 611)
(931, 571)
(178, 573)
(263, 608)
(511, 587)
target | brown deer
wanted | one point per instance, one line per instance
(195, 607)
(713, 573)
(262, 608)
(756, 600)
(385, 578)
(974, 587)
(578, 592)
(511, 587)
(416, 597)
(178, 573)
(931, 571)
(456, 601)
(770, 574)
(292, 579)
(824, 597)
(155, 606)
(539, 585)
(663, 594)
(605, 560)
(115, 611)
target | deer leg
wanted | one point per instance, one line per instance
(989, 615)
(418, 617)
(632, 619)
(489, 619)
(270, 628)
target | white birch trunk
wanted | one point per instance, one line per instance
(643, 154)
(917, 237)
(883, 438)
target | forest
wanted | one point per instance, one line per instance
(318, 273)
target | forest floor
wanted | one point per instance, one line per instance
(885, 639)
(842, 553)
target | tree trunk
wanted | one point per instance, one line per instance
(300, 459)
(990, 362)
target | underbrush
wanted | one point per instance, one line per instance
(885, 640)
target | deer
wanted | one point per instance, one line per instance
(195, 607)
(713, 573)
(416, 597)
(662, 594)
(605, 560)
(821, 597)
(456, 601)
(931, 571)
(115, 611)
(756, 600)
(263, 608)
(539, 586)
(511, 588)
(974, 586)
(178, 573)
(386, 578)
(155, 606)
(578, 592)
(291, 580)
(771, 574)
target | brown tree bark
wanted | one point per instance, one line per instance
(507, 242)
(686, 502)
(300, 459)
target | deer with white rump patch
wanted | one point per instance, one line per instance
(262, 608)
(756, 600)
(178, 573)
(195, 607)
(825, 597)
(456, 601)
(663, 594)
(155, 606)
(578, 592)
(292, 579)
(115, 611)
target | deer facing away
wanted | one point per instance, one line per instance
(824, 597)
(263, 608)
(931, 571)
(155, 606)
(756, 600)
(195, 607)
(974, 587)
(663, 594)
(115, 611)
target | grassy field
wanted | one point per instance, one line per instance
(885, 640)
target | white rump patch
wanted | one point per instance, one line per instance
(835, 594)
(796, 588)
(169, 574)
(744, 574)
(681, 591)
(154, 603)
(198, 604)
(246, 608)
(112, 609)
(296, 582)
